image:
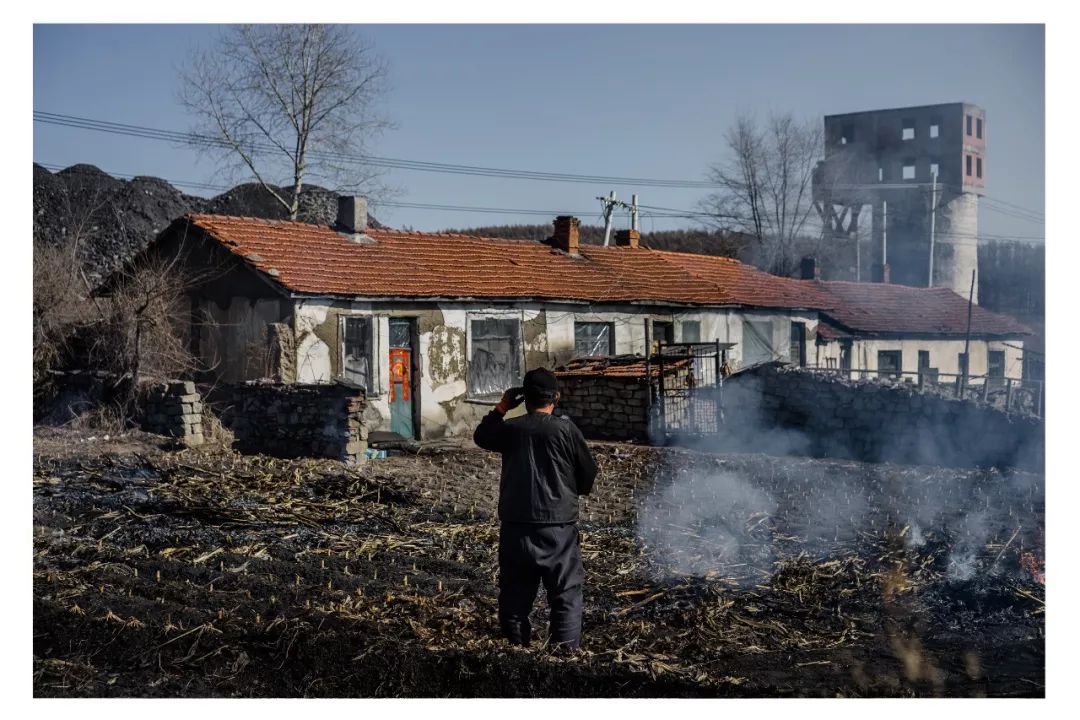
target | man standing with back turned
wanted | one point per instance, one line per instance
(546, 465)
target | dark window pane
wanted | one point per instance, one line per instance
(968, 128)
(797, 348)
(996, 364)
(399, 333)
(889, 363)
(495, 360)
(978, 128)
(357, 360)
(662, 332)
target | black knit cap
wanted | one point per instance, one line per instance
(540, 385)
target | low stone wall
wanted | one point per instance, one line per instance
(777, 409)
(606, 408)
(290, 420)
(174, 409)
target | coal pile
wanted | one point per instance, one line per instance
(111, 219)
(206, 573)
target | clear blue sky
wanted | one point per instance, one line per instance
(630, 100)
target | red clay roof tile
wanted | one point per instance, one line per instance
(876, 308)
(316, 259)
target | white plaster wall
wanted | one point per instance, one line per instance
(445, 409)
(780, 322)
(312, 353)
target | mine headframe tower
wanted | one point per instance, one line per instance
(921, 170)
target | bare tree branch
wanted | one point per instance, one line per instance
(289, 102)
(765, 185)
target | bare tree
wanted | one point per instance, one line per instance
(288, 104)
(766, 186)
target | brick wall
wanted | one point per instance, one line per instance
(291, 420)
(772, 408)
(606, 408)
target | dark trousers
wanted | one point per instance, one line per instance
(529, 554)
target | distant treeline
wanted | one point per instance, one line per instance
(1012, 278)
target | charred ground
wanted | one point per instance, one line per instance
(205, 573)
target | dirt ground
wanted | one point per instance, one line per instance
(201, 573)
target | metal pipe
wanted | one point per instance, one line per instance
(609, 210)
(933, 216)
(967, 339)
(884, 237)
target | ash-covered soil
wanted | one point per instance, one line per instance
(205, 573)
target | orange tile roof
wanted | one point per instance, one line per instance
(877, 308)
(630, 367)
(315, 259)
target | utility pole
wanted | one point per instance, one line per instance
(884, 236)
(933, 216)
(609, 204)
(858, 258)
(967, 340)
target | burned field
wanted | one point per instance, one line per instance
(206, 573)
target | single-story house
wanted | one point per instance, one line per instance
(882, 329)
(434, 326)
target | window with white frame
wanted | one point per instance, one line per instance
(357, 356)
(494, 356)
(594, 339)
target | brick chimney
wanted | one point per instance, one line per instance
(567, 235)
(352, 217)
(808, 269)
(627, 238)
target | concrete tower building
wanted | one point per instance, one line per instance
(885, 161)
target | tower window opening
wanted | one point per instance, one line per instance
(907, 129)
(978, 128)
(978, 167)
(968, 128)
(908, 172)
(968, 168)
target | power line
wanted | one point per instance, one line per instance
(141, 131)
(387, 203)
(983, 199)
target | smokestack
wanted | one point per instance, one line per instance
(627, 238)
(567, 235)
(352, 217)
(809, 269)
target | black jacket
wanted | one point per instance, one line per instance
(546, 465)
